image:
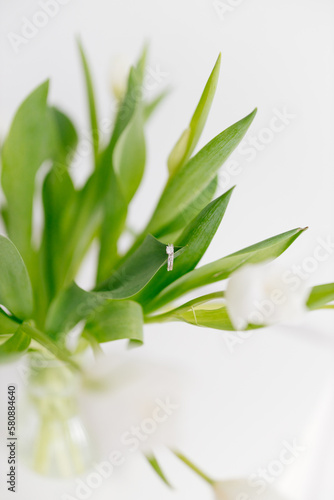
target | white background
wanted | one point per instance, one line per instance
(237, 408)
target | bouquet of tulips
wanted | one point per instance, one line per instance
(39, 261)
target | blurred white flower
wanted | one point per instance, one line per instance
(261, 294)
(141, 402)
(120, 68)
(241, 489)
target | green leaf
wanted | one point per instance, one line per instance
(65, 139)
(58, 200)
(320, 296)
(15, 287)
(75, 304)
(172, 230)
(69, 308)
(114, 218)
(130, 101)
(116, 320)
(217, 319)
(190, 137)
(59, 351)
(58, 197)
(91, 102)
(137, 270)
(130, 155)
(195, 238)
(221, 269)
(26, 147)
(157, 469)
(8, 325)
(209, 318)
(15, 346)
(150, 107)
(188, 182)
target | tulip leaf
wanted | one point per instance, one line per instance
(221, 269)
(217, 319)
(189, 213)
(74, 304)
(190, 137)
(130, 155)
(138, 270)
(130, 101)
(151, 106)
(15, 287)
(195, 238)
(320, 296)
(8, 325)
(188, 182)
(116, 320)
(15, 346)
(55, 348)
(157, 469)
(70, 307)
(114, 218)
(91, 102)
(58, 200)
(26, 147)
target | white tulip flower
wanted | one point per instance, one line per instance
(120, 70)
(241, 489)
(264, 294)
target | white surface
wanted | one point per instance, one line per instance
(275, 55)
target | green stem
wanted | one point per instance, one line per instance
(40, 461)
(49, 344)
(193, 467)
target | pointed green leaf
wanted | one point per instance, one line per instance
(178, 153)
(157, 469)
(65, 139)
(130, 101)
(221, 269)
(195, 239)
(188, 182)
(58, 200)
(26, 147)
(91, 102)
(15, 287)
(151, 106)
(15, 346)
(320, 296)
(116, 320)
(130, 155)
(188, 214)
(114, 217)
(190, 137)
